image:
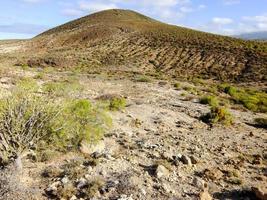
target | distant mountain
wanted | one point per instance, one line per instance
(127, 41)
(254, 36)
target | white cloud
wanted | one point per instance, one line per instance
(231, 2)
(222, 21)
(95, 6)
(227, 26)
(32, 1)
(185, 9)
(202, 6)
(72, 12)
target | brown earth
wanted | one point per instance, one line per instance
(129, 41)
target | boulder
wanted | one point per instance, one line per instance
(161, 171)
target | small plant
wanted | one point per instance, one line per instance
(218, 115)
(198, 81)
(40, 76)
(93, 187)
(117, 103)
(66, 88)
(143, 78)
(209, 100)
(177, 85)
(27, 85)
(67, 191)
(25, 66)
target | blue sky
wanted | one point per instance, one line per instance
(27, 18)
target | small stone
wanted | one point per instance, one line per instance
(73, 197)
(65, 180)
(205, 195)
(193, 160)
(199, 183)
(53, 187)
(168, 156)
(143, 192)
(81, 183)
(167, 188)
(161, 171)
(251, 134)
(186, 160)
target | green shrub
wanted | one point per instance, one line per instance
(82, 122)
(25, 120)
(209, 100)
(177, 85)
(198, 81)
(66, 88)
(143, 78)
(27, 85)
(40, 75)
(218, 115)
(117, 103)
(231, 91)
(25, 66)
(255, 101)
(29, 120)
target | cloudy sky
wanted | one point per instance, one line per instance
(26, 18)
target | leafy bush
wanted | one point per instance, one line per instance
(252, 100)
(218, 115)
(25, 120)
(117, 103)
(82, 121)
(177, 85)
(28, 120)
(209, 100)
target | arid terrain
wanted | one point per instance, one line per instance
(182, 124)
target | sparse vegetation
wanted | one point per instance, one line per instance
(117, 103)
(209, 100)
(28, 119)
(143, 78)
(177, 85)
(91, 189)
(251, 99)
(218, 115)
(66, 88)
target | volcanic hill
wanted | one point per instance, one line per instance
(128, 41)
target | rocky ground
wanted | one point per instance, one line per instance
(157, 148)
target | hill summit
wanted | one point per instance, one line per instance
(128, 41)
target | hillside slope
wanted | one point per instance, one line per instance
(128, 41)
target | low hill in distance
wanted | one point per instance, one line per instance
(262, 35)
(128, 41)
